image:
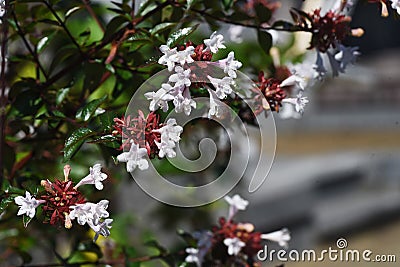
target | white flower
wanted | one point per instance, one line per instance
(234, 245)
(27, 205)
(92, 213)
(167, 58)
(99, 211)
(95, 177)
(288, 112)
(230, 65)
(181, 77)
(102, 228)
(222, 86)
(396, 5)
(193, 256)
(170, 135)
(216, 108)
(170, 131)
(89, 212)
(299, 102)
(184, 56)
(215, 42)
(303, 75)
(134, 158)
(282, 237)
(81, 212)
(235, 33)
(183, 102)
(166, 148)
(236, 203)
(346, 55)
(160, 98)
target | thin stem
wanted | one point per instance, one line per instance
(27, 45)
(253, 26)
(62, 24)
(3, 98)
(97, 48)
(111, 262)
(93, 14)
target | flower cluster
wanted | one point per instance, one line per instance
(329, 30)
(232, 243)
(63, 203)
(140, 130)
(177, 89)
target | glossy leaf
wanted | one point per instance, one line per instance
(74, 142)
(61, 94)
(263, 13)
(26, 220)
(89, 110)
(179, 35)
(89, 246)
(5, 202)
(265, 41)
(162, 27)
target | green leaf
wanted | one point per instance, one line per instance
(265, 41)
(9, 189)
(114, 25)
(93, 74)
(190, 240)
(5, 202)
(179, 35)
(156, 245)
(71, 11)
(42, 43)
(227, 4)
(263, 13)
(191, 3)
(106, 121)
(74, 142)
(58, 114)
(282, 24)
(49, 21)
(162, 27)
(26, 220)
(87, 112)
(61, 94)
(89, 246)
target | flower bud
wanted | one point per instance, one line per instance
(357, 32)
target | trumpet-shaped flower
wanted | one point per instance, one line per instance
(134, 158)
(215, 42)
(282, 237)
(160, 98)
(169, 56)
(181, 77)
(230, 65)
(184, 56)
(95, 177)
(27, 205)
(234, 245)
(299, 102)
(222, 86)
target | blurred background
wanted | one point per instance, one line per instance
(336, 172)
